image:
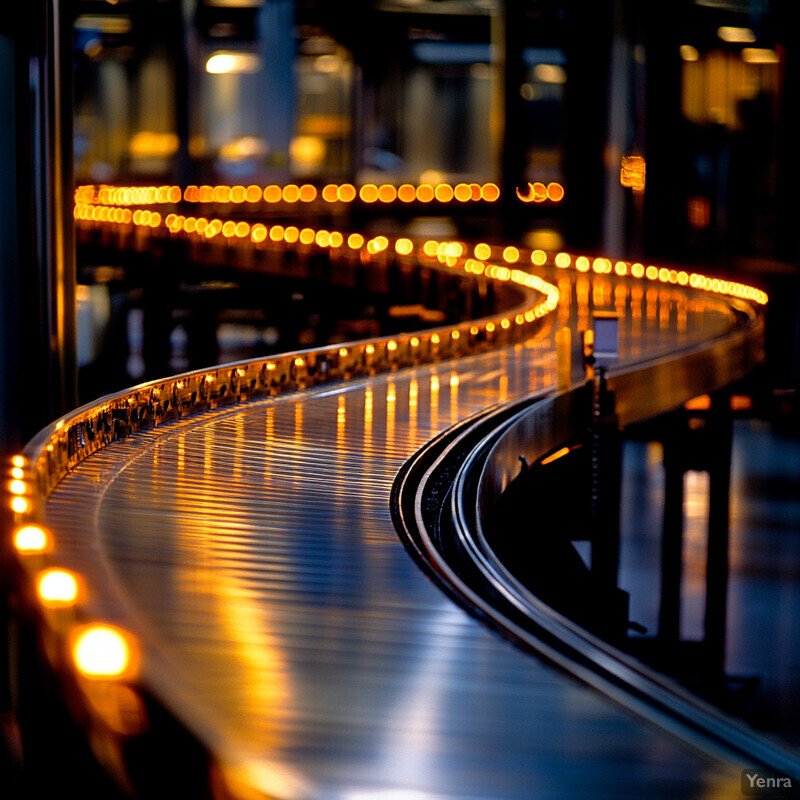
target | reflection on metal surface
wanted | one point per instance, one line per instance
(276, 613)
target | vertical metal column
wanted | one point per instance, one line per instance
(38, 374)
(38, 266)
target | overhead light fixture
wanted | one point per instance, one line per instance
(760, 55)
(734, 35)
(689, 53)
(225, 62)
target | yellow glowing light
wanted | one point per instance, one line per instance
(102, 651)
(299, 362)
(404, 247)
(455, 335)
(539, 258)
(637, 270)
(414, 341)
(689, 53)
(308, 193)
(369, 349)
(347, 193)
(307, 236)
(425, 193)
(355, 241)
(17, 472)
(291, 193)
(378, 244)
(444, 193)
(276, 233)
(511, 255)
(273, 193)
(387, 193)
(651, 273)
(368, 193)
(490, 192)
(17, 487)
(734, 34)
(462, 192)
(323, 238)
(490, 327)
(563, 260)
(435, 338)
(223, 62)
(392, 345)
(258, 233)
(505, 324)
(31, 539)
(760, 55)
(582, 264)
(330, 193)
(57, 587)
(406, 193)
(632, 173)
(342, 351)
(291, 234)
(19, 504)
(482, 251)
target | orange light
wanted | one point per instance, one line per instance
(387, 193)
(308, 193)
(102, 651)
(555, 456)
(444, 192)
(404, 247)
(490, 192)
(19, 505)
(425, 193)
(368, 193)
(31, 539)
(347, 193)
(700, 403)
(58, 588)
(511, 255)
(273, 194)
(291, 193)
(406, 193)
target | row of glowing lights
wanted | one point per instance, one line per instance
(100, 650)
(307, 193)
(291, 234)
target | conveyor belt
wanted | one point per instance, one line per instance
(252, 551)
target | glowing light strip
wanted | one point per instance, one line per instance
(291, 194)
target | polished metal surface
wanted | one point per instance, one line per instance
(251, 550)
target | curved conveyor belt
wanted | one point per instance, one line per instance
(252, 551)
